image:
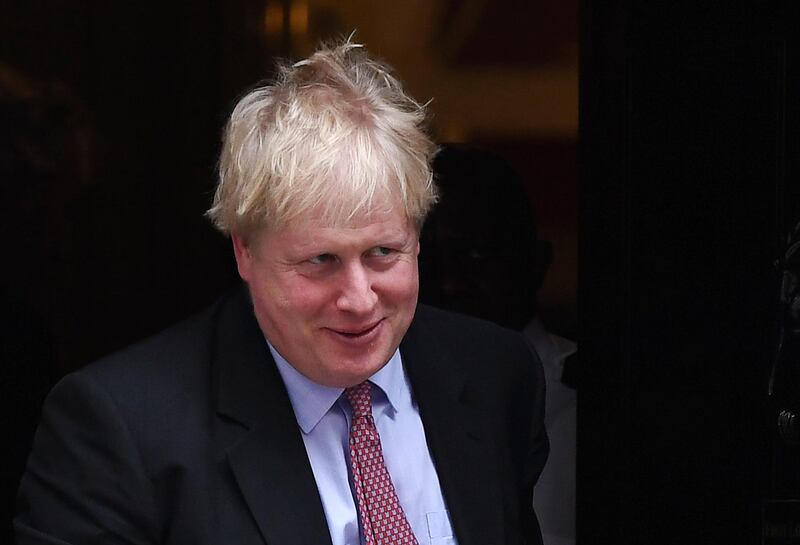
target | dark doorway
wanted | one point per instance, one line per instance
(688, 188)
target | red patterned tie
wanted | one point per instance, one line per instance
(382, 517)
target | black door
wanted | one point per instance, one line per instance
(689, 192)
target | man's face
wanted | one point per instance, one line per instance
(334, 301)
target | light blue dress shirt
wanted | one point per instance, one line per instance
(323, 416)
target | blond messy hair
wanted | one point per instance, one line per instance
(334, 134)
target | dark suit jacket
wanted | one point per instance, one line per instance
(190, 438)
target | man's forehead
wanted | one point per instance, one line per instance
(338, 215)
(300, 239)
(305, 227)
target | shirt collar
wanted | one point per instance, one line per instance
(552, 349)
(391, 379)
(311, 401)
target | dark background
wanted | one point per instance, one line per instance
(688, 188)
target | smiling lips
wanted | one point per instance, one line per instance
(357, 333)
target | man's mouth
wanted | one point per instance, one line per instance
(357, 332)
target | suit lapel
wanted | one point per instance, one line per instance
(269, 461)
(458, 436)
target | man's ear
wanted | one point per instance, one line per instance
(244, 257)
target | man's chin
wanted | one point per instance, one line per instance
(355, 370)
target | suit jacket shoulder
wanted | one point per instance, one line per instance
(186, 437)
(473, 339)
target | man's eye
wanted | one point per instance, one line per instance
(321, 259)
(380, 251)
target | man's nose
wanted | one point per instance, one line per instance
(357, 295)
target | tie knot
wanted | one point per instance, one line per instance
(360, 399)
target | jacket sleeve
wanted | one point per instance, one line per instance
(85, 482)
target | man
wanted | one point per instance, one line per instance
(319, 405)
(483, 257)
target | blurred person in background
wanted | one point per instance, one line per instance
(481, 256)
